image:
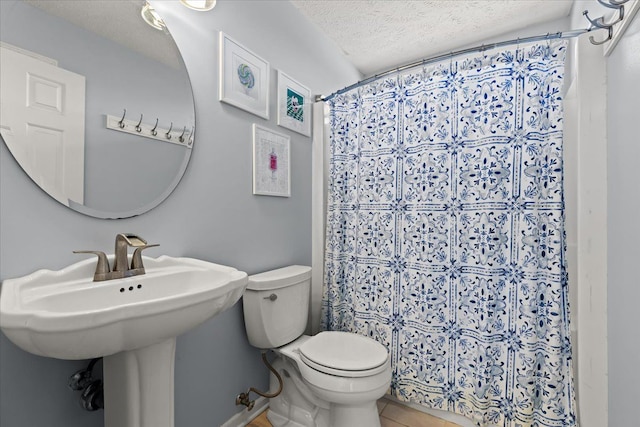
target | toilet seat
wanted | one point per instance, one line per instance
(344, 354)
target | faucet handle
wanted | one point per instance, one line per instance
(102, 268)
(136, 259)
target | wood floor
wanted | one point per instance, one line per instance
(391, 415)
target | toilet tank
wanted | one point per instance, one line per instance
(276, 306)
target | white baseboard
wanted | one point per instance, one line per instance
(243, 418)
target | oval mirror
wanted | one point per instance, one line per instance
(96, 104)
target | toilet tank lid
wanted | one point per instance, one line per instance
(279, 278)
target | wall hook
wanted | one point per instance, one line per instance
(599, 22)
(157, 132)
(612, 5)
(609, 37)
(154, 132)
(121, 122)
(595, 23)
(191, 135)
(138, 128)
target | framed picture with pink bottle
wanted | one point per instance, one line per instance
(271, 163)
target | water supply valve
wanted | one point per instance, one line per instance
(243, 399)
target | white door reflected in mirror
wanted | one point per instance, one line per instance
(42, 121)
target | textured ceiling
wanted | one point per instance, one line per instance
(376, 35)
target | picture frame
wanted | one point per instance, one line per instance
(244, 78)
(294, 105)
(271, 162)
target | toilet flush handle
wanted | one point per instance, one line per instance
(271, 297)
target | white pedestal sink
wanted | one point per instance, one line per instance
(131, 322)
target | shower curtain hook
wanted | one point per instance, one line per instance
(548, 37)
(483, 49)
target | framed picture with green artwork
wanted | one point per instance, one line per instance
(294, 105)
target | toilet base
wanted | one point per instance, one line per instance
(295, 406)
(365, 415)
(278, 420)
(298, 406)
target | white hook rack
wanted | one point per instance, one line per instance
(174, 135)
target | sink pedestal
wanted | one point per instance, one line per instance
(138, 386)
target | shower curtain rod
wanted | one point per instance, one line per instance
(481, 48)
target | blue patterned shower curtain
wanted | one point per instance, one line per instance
(445, 234)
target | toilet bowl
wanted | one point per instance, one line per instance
(332, 379)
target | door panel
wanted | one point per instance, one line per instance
(43, 108)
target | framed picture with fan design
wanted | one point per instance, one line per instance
(244, 78)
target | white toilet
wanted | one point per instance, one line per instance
(332, 379)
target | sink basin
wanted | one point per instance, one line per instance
(131, 322)
(66, 315)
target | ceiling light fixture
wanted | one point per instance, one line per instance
(201, 5)
(151, 17)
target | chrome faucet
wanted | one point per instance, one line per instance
(121, 266)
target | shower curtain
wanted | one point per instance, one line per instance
(445, 234)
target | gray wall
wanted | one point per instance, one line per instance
(212, 215)
(623, 68)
